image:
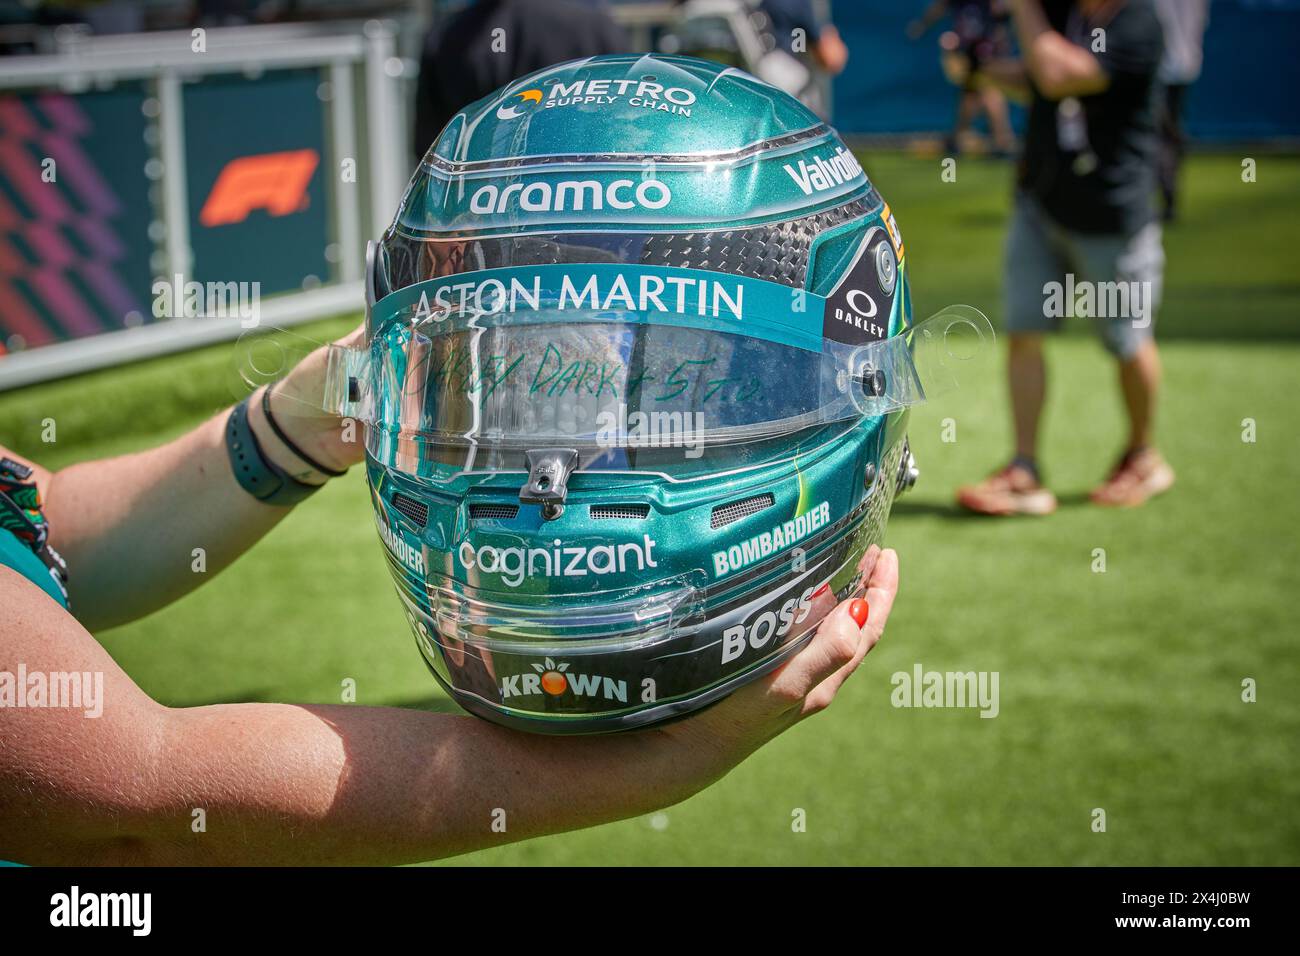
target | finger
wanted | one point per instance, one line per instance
(833, 646)
(881, 590)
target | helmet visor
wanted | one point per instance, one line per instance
(436, 382)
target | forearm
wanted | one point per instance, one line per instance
(282, 784)
(1057, 67)
(129, 527)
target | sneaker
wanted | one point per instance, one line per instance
(1014, 490)
(1140, 474)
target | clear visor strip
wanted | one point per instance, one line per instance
(925, 361)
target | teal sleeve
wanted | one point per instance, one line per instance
(14, 554)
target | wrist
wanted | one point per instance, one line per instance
(274, 449)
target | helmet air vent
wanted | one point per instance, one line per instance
(417, 511)
(491, 511)
(626, 512)
(733, 511)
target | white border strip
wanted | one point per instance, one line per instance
(173, 335)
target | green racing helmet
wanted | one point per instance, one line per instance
(635, 380)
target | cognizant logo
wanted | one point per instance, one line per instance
(557, 561)
(570, 195)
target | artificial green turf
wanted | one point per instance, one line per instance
(1119, 690)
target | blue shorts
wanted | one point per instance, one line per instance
(1051, 273)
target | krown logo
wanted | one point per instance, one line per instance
(526, 99)
(643, 93)
(554, 679)
(570, 195)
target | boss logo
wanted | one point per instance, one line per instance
(765, 628)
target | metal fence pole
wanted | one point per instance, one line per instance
(176, 208)
(347, 196)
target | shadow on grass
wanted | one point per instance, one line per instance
(953, 512)
(435, 703)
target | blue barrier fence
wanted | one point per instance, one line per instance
(1248, 89)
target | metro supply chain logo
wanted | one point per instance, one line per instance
(555, 679)
(639, 94)
(559, 561)
(570, 195)
(742, 555)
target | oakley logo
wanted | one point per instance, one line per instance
(861, 303)
(276, 182)
(570, 195)
(515, 564)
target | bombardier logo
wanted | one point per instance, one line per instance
(407, 553)
(558, 561)
(742, 555)
(824, 174)
(570, 195)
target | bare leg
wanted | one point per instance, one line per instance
(1139, 379)
(995, 107)
(1027, 377)
(967, 104)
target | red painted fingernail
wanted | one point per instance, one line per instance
(859, 610)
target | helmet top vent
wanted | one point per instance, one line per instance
(627, 512)
(733, 511)
(417, 511)
(492, 511)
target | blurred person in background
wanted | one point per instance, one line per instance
(979, 35)
(782, 42)
(1184, 22)
(789, 19)
(491, 42)
(1083, 214)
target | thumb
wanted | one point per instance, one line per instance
(833, 646)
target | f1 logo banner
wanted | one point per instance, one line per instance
(259, 187)
(275, 182)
